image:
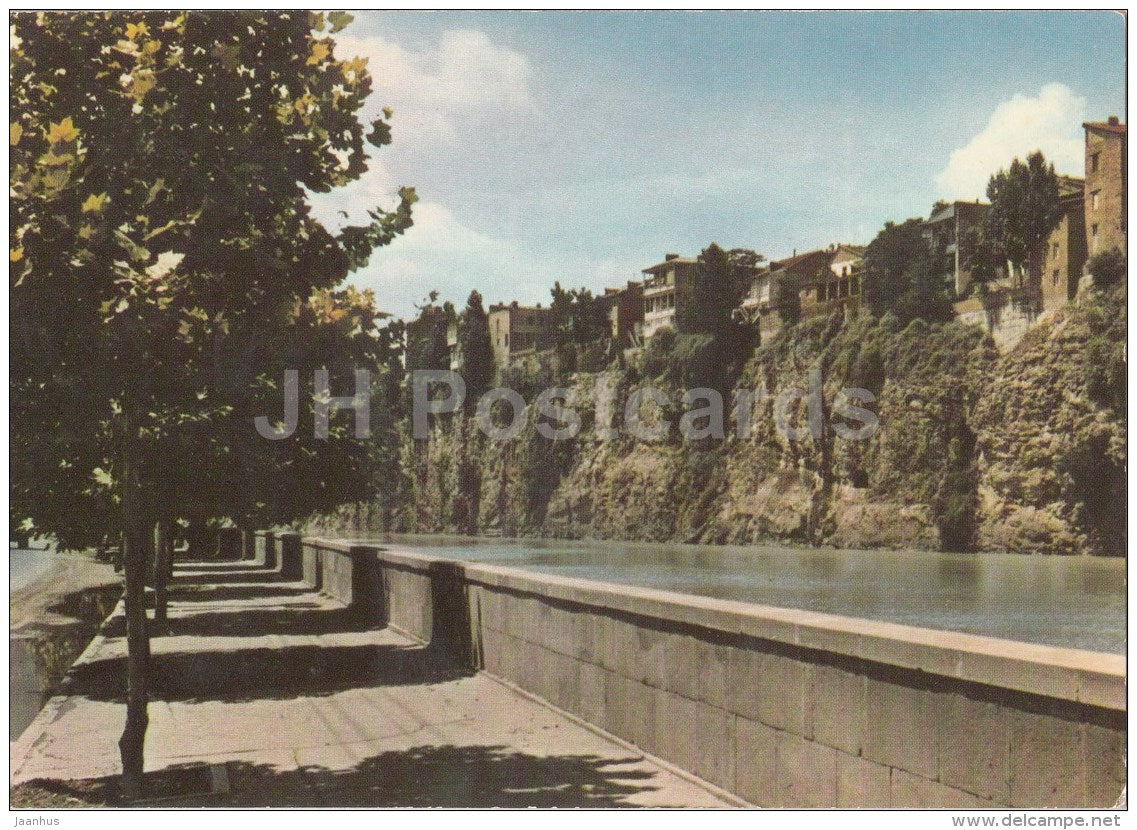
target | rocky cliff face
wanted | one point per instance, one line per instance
(1022, 452)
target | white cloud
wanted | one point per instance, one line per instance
(1050, 122)
(464, 77)
(442, 253)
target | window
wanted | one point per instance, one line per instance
(1055, 276)
(1094, 161)
(1094, 199)
(1094, 235)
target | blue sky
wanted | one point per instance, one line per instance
(581, 147)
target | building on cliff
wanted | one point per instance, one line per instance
(1065, 255)
(952, 232)
(626, 313)
(826, 279)
(1105, 185)
(758, 307)
(667, 289)
(517, 330)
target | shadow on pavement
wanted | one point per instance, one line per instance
(268, 673)
(257, 622)
(422, 776)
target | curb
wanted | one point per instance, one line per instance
(19, 749)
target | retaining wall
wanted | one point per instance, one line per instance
(783, 707)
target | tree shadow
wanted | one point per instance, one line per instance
(257, 622)
(268, 673)
(479, 776)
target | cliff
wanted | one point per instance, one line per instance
(1022, 452)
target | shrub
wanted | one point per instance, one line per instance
(1108, 268)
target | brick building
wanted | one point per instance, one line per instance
(1105, 186)
(1065, 253)
(517, 330)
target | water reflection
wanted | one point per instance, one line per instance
(1077, 602)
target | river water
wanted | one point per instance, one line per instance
(1076, 602)
(24, 566)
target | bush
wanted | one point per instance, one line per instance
(1108, 268)
(657, 352)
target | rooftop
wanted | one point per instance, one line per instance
(669, 262)
(953, 208)
(1113, 125)
(798, 259)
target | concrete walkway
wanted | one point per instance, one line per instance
(279, 697)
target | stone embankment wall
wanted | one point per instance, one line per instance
(782, 707)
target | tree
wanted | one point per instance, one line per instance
(578, 317)
(785, 298)
(476, 350)
(1024, 210)
(900, 277)
(981, 256)
(427, 346)
(888, 261)
(160, 165)
(721, 280)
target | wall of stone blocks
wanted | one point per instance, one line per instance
(789, 708)
(312, 572)
(407, 599)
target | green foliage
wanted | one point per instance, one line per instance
(1024, 210)
(657, 352)
(720, 282)
(426, 338)
(981, 256)
(786, 298)
(1104, 360)
(1108, 268)
(159, 222)
(578, 317)
(956, 501)
(900, 277)
(475, 349)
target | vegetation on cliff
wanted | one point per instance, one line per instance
(1021, 452)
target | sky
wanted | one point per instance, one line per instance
(582, 147)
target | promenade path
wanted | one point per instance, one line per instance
(272, 694)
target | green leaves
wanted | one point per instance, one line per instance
(198, 135)
(339, 21)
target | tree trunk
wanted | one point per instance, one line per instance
(133, 738)
(163, 557)
(195, 538)
(134, 544)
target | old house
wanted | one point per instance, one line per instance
(667, 288)
(952, 232)
(817, 283)
(516, 330)
(1105, 186)
(1065, 254)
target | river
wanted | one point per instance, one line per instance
(1075, 602)
(24, 566)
